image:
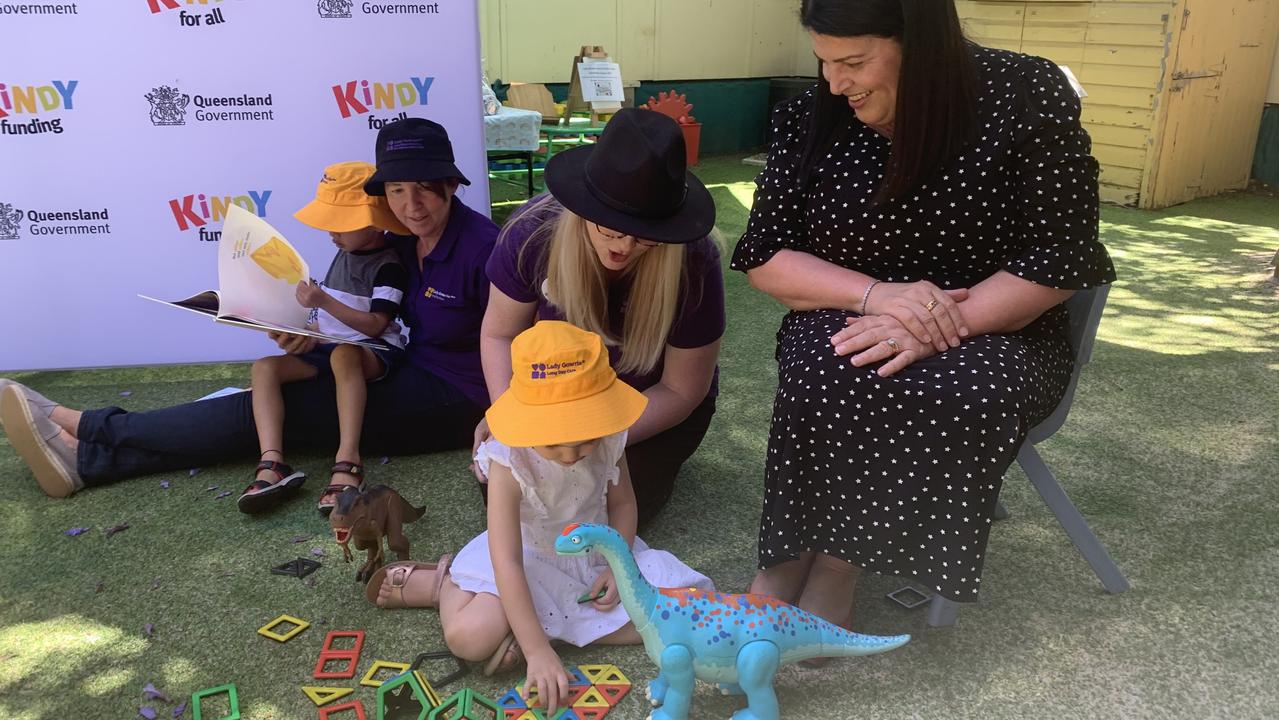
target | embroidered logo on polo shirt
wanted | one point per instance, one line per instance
(431, 292)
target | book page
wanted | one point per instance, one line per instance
(258, 272)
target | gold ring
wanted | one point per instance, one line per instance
(931, 304)
(892, 345)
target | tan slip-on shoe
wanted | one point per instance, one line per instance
(41, 403)
(36, 439)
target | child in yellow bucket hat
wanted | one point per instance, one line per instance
(557, 456)
(358, 300)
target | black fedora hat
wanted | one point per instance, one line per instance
(635, 180)
(413, 150)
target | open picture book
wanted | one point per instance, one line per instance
(258, 275)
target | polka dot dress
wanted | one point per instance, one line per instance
(900, 475)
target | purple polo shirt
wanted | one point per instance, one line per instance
(445, 301)
(698, 321)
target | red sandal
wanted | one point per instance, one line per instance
(328, 496)
(263, 495)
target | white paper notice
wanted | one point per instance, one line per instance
(601, 81)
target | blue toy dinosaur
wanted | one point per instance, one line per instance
(738, 641)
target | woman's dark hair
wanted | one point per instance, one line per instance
(936, 113)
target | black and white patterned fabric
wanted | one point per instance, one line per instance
(900, 475)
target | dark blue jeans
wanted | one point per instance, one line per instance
(409, 412)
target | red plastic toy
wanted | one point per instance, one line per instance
(329, 654)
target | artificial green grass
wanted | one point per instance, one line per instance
(1170, 452)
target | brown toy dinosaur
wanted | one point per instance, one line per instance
(365, 518)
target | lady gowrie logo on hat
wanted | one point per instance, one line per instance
(542, 371)
(568, 393)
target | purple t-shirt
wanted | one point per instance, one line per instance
(698, 321)
(444, 304)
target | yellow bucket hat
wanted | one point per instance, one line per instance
(341, 205)
(562, 391)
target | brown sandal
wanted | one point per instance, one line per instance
(397, 574)
(498, 661)
(335, 489)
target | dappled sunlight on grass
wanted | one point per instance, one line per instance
(39, 657)
(1187, 289)
(63, 641)
(106, 682)
(742, 192)
(179, 671)
(1242, 233)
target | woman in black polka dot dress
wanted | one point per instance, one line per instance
(924, 212)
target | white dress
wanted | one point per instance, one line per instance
(555, 495)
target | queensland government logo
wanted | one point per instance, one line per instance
(361, 97)
(10, 222)
(191, 19)
(79, 221)
(334, 8)
(199, 209)
(26, 103)
(331, 9)
(169, 107)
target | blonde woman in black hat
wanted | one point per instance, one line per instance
(621, 246)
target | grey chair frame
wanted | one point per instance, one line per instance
(1084, 309)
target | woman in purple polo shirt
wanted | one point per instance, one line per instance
(621, 247)
(429, 403)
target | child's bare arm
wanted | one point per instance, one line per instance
(507, 553)
(371, 324)
(623, 511)
(545, 671)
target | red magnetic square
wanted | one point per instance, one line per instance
(335, 634)
(353, 705)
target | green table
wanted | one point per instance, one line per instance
(566, 135)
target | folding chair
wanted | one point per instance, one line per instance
(1084, 309)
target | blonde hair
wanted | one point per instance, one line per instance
(578, 287)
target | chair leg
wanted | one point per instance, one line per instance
(1074, 524)
(942, 612)
(1001, 510)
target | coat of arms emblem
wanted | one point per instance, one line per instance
(168, 106)
(9, 219)
(334, 8)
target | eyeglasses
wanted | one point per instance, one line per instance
(617, 236)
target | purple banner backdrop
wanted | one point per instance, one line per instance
(127, 127)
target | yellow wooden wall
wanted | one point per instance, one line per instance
(1117, 51)
(536, 40)
(1122, 51)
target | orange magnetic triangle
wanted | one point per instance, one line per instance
(590, 713)
(591, 698)
(611, 676)
(593, 672)
(613, 693)
(324, 695)
(575, 693)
